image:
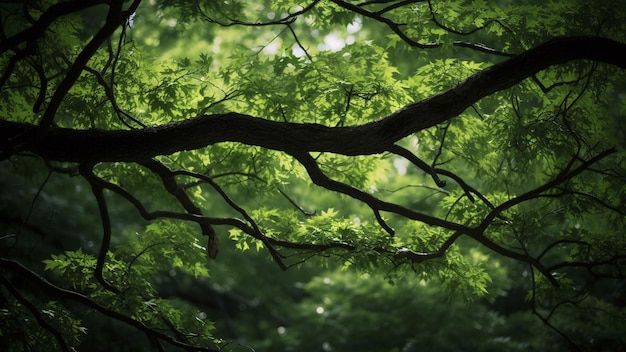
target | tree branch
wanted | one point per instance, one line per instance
(53, 13)
(61, 293)
(35, 312)
(395, 27)
(418, 257)
(562, 177)
(252, 231)
(372, 138)
(115, 18)
(377, 205)
(98, 192)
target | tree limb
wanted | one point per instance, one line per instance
(98, 192)
(61, 293)
(372, 138)
(35, 312)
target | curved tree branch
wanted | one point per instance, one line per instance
(53, 13)
(115, 18)
(375, 137)
(240, 224)
(562, 177)
(377, 205)
(61, 293)
(405, 153)
(35, 312)
(98, 192)
(395, 27)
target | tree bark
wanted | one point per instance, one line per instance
(95, 145)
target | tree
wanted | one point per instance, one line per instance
(423, 139)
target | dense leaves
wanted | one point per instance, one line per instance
(441, 175)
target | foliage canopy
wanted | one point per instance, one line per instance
(445, 147)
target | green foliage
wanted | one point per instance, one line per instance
(347, 311)
(530, 214)
(16, 320)
(164, 248)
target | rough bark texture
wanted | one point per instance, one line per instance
(130, 145)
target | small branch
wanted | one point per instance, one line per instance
(257, 233)
(289, 19)
(545, 89)
(309, 246)
(383, 223)
(147, 215)
(445, 129)
(533, 194)
(556, 243)
(586, 195)
(405, 153)
(295, 37)
(320, 179)
(449, 29)
(32, 203)
(35, 312)
(538, 315)
(111, 96)
(296, 205)
(87, 173)
(419, 257)
(562, 177)
(38, 28)
(43, 88)
(546, 321)
(613, 261)
(395, 27)
(60, 293)
(168, 178)
(394, 6)
(10, 66)
(482, 48)
(435, 172)
(113, 21)
(371, 2)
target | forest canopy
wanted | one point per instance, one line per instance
(312, 176)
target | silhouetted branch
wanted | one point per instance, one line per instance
(562, 177)
(405, 153)
(56, 292)
(115, 17)
(395, 27)
(169, 181)
(320, 179)
(87, 172)
(371, 138)
(418, 257)
(35, 312)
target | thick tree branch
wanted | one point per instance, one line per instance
(371, 138)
